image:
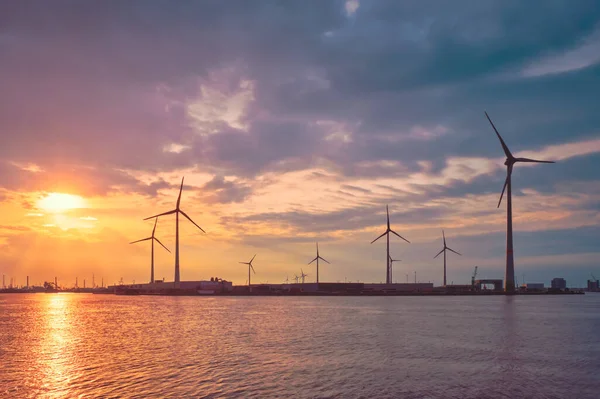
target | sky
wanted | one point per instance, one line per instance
(297, 122)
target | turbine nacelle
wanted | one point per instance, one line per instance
(510, 159)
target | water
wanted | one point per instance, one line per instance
(86, 346)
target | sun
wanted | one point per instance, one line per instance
(58, 202)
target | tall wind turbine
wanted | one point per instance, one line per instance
(509, 275)
(317, 259)
(249, 267)
(387, 232)
(177, 211)
(392, 267)
(446, 248)
(152, 238)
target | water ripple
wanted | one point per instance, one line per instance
(82, 346)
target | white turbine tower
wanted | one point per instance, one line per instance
(509, 275)
(387, 234)
(249, 267)
(446, 248)
(177, 211)
(152, 238)
(317, 259)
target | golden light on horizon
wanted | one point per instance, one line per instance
(59, 202)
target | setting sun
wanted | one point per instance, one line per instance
(58, 202)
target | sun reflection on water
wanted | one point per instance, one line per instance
(57, 345)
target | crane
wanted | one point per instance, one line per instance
(473, 277)
(593, 277)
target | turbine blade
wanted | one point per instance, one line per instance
(439, 253)
(379, 237)
(508, 173)
(180, 190)
(531, 160)
(323, 259)
(400, 236)
(190, 219)
(252, 258)
(450, 249)
(252, 267)
(143, 239)
(158, 241)
(312, 261)
(504, 146)
(161, 214)
(444, 236)
(387, 211)
(154, 229)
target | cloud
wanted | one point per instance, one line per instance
(351, 6)
(308, 117)
(219, 190)
(585, 54)
(565, 151)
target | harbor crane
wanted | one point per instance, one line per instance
(473, 277)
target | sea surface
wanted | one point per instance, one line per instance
(104, 346)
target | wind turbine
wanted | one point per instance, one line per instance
(317, 259)
(152, 238)
(387, 234)
(177, 211)
(296, 278)
(391, 266)
(302, 275)
(249, 267)
(444, 251)
(509, 275)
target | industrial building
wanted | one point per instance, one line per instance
(534, 286)
(558, 283)
(593, 285)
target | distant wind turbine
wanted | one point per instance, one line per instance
(444, 251)
(177, 211)
(296, 278)
(317, 259)
(249, 267)
(392, 267)
(152, 238)
(509, 275)
(387, 234)
(303, 275)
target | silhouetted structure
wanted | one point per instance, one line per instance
(446, 248)
(152, 238)
(558, 283)
(249, 267)
(177, 211)
(509, 277)
(317, 259)
(388, 276)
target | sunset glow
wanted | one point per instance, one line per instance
(58, 202)
(291, 136)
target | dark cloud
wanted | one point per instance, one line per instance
(218, 190)
(345, 220)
